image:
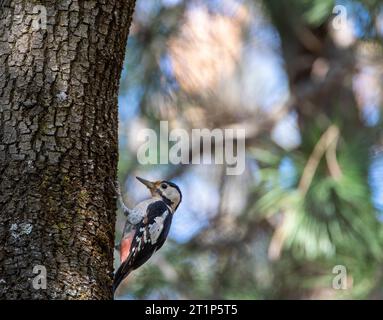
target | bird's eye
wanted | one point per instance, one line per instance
(164, 186)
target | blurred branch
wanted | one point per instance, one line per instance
(326, 145)
(326, 141)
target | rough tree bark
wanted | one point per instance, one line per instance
(58, 145)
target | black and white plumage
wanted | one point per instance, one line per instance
(147, 226)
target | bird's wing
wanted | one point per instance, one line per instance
(136, 215)
(149, 235)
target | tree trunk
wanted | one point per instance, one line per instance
(58, 145)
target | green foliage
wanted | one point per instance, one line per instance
(315, 12)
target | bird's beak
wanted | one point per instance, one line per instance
(150, 185)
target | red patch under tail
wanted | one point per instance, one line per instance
(126, 243)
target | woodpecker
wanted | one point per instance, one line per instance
(147, 226)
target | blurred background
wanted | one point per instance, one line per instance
(305, 79)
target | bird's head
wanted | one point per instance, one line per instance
(168, 191)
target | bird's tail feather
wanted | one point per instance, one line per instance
(122, 272)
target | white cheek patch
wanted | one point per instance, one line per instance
(173, 196)
(156, 228)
